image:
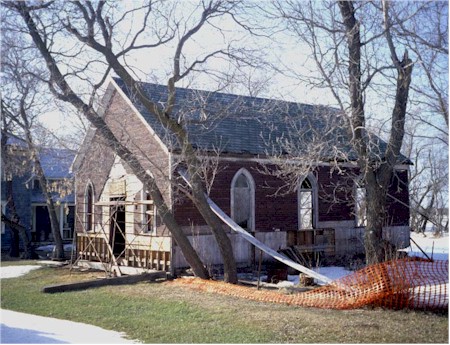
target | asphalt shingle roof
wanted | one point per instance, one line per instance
(237, 124)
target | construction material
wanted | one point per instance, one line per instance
(108, 243)
(409, 283)
(124, 280)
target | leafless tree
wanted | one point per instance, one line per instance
(23, 108)
(95, 25)
(356, 52)
(428, 183)
(425, 33)
(15, 162)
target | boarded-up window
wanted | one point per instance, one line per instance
(306, 205)
(148, 213)
(243, 200)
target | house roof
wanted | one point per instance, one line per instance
(14, 140)
(56, 162)
(56, 165)
(234, 124)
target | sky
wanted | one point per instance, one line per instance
(283, 51)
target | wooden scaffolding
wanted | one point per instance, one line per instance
(105, 240)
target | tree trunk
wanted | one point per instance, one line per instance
(123, 152)
(58, 253)
(20, 231)
(375, 214)
(378, 172)
(198, 192)
(222, 239)
(14, 249)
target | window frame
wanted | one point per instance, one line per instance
(89, 202)
(251, 182)
(360, 209)
(144, 208)
(314, 202)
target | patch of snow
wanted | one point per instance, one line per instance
(287, 283)
(20, 328)
(16, 271)
(332, 272)
(51, 247)
(436, 247)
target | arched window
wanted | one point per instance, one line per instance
(307, 203)
(243, 200)
(89, 198)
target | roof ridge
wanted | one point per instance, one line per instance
(117, 79)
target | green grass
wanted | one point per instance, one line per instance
(147, 318)
(162, 313)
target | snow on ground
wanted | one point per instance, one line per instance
(51, 247)
(435, 247)
(20, 328)
(16, 271)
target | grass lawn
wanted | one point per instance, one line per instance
(162, 313)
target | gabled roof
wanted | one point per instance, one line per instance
(254, 126)
(55, 162)
(14, 140)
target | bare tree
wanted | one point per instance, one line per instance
(426, 35)
(14, 163)
(346, 39)
(428, 183)
(24, 98)
(92, 25)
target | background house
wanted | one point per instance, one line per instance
(28, 199)
(116, 221)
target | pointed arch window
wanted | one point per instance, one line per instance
(307, 203)
(243, 200)
(89, 207)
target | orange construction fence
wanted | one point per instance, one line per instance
(410, 283)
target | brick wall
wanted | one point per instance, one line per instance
(335, 198)
(132, 132)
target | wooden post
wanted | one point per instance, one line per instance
(259, 268)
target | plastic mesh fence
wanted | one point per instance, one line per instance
(407, 283)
